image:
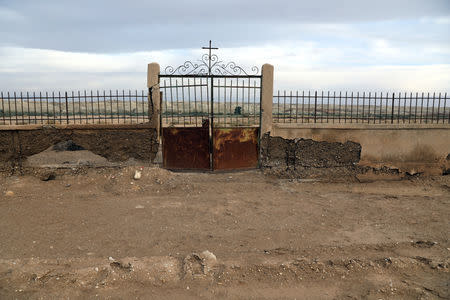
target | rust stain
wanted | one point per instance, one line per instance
(235, 148)
(186, 148)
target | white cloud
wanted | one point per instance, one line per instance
(298, 65)
(15, 59)
(8, 15)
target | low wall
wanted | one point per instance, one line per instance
(114, 142)
(412, 149)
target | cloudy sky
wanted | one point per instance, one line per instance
(355, 45)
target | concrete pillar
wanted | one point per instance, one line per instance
(266, 98)
(154, 106)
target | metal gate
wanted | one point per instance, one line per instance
(210, 115)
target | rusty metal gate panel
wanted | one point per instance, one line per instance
(186, 148)
(235, 148)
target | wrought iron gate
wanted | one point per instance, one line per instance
(210, 115)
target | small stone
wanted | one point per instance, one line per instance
(83, 162)
(137, 175)
(9, 193)
(139, 206)
(111, 259)
(46, 176)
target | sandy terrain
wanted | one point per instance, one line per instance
(240, 235)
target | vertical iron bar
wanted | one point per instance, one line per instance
(117, 106)
(439, 106)
(421, 110)
(404, 108)
(67, 108)
(195, 102)
(290, 107)
(375, 108)
(40, 104)
(328, 104)
(315, 106)
(212, 125)
(9, 109)
(189, 102)
(99, 115)
(176, 99)
(351, 108)
(278, 110)
(111, 106)
(243, 101)
(34, 105)
(410, 107)
(426, 112)
(334, 105)
(248, 102)
(105, 111)
(415, 108)
(368, 111)
(321, 108)
(303, 106)
(53, 105)
(15, 109)
(46, 99)
(340, 98)
(449, 109)
(21, 106)
(3, 109)
(60, 109)
(253, 102)
(392, 108)
(130, 115)
(136, 112)
(83, 115)
(432, 108)
(345, 108)
(183, 107)
(218, 102)
(144, 101)
(445, 106)
(123, 106)
(357, 106)
(398, 109)
(296, 106)
(28, 108)
(86, 107)
(171, 96)
(381, 106)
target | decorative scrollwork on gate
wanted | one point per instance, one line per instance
(210, 64)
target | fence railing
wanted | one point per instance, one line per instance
(112, 107)
(370, 108)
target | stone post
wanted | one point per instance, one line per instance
(154, 106)
(266, 98)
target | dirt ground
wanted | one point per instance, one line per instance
(102, 234)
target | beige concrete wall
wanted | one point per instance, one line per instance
(266, 98)
(421, 148)
(154, 105)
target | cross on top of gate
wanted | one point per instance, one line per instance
(209, 65)
(210, 57)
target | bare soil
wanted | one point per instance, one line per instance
(244, 235)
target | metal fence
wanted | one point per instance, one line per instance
(369, 108)
(112, 107)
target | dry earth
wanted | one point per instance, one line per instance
(101, 234)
